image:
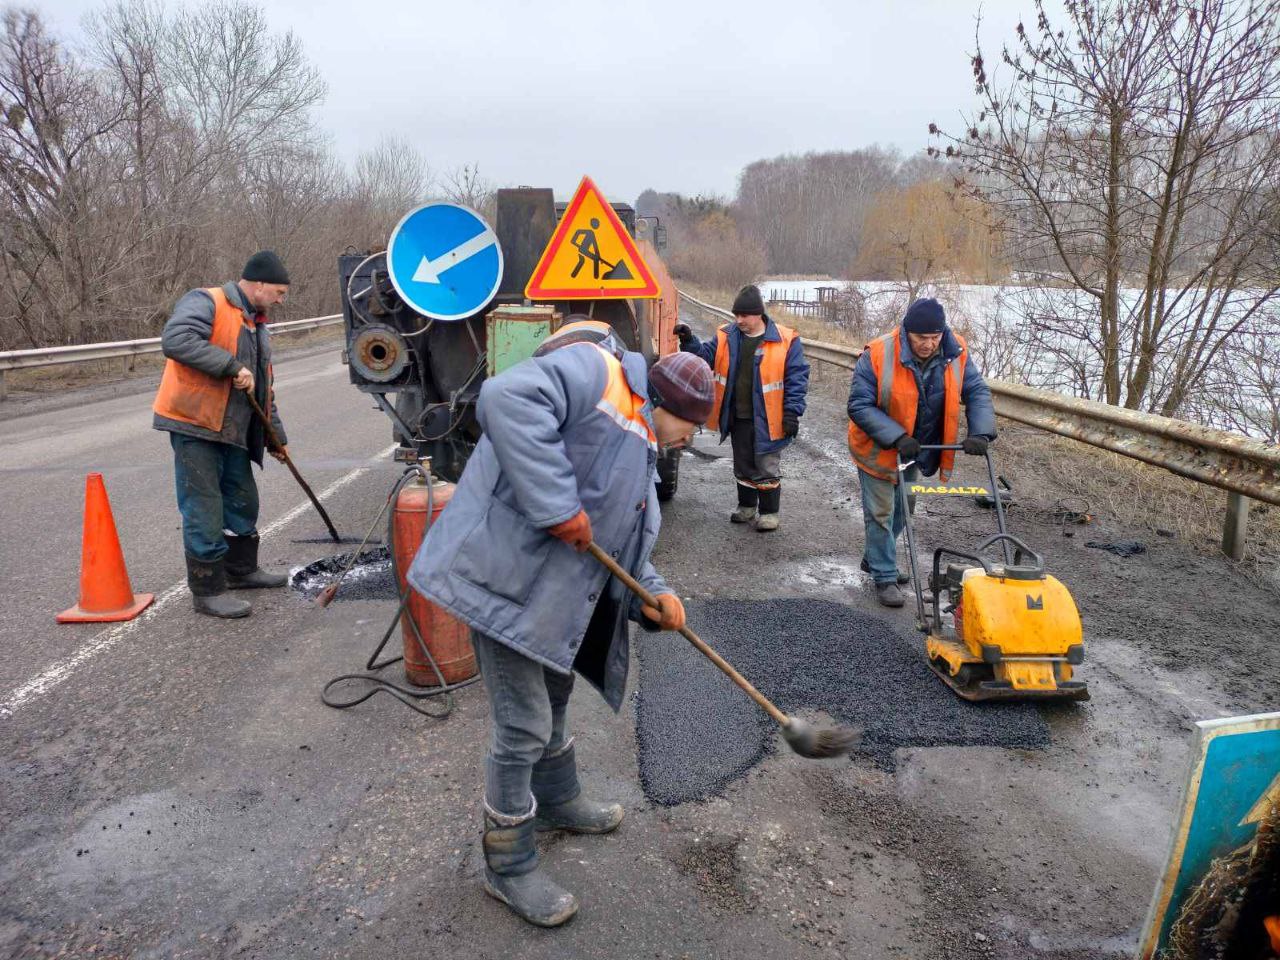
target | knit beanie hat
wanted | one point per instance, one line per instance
(925, 316)
(748, 301)
(680, 383)
(265, 267)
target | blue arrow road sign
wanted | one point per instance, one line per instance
(444, 261)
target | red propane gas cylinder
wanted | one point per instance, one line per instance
(447, 639)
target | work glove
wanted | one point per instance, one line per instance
(671, 614)
(576, 531)
(790, 424)
(908, 446)
(975, 446)
(684, 334)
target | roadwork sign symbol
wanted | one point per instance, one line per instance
(591, 256)
(444, 261)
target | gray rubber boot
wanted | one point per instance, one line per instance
(561, 805)
(770, 504)
(903, 576)
(889, 595)
(208, 583)
(511, 871)
(243, 572)
(748, 499)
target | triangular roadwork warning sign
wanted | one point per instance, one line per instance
(591, 256)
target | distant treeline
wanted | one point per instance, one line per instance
(159, 152)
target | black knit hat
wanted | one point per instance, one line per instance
(265, 267)
(748, 301)
(925, 316)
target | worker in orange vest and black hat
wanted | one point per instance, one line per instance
(218, 350)
(759, 401)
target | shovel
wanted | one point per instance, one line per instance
(804, 739)
(273, 442)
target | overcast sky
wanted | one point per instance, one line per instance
(670, 95)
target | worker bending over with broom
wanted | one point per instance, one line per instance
(219, 356)
(907, 389)
(762, 382)
(569, 454)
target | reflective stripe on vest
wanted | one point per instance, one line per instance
(620, 404)
(898, 396)
(192, 396)
(772, 377)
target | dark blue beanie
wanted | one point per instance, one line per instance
(925, 316)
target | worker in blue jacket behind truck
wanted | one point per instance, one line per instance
(759, 400)
(569, 454)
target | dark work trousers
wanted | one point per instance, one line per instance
(759, 475)
(527, 706)
(216, 493)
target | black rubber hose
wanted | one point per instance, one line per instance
(409, 696)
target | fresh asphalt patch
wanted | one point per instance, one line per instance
(371, 578)
(696, 732)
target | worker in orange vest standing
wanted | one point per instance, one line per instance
(219, 350)
(907, 390)
(762, 381)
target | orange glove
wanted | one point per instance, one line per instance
(576, 531)
(671, 616)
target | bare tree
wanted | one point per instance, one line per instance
(1133, 153)
(928, 232)
(466, 186)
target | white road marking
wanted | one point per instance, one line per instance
(47, 679)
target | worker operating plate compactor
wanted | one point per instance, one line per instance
(995, 628)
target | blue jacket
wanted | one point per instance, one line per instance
(974, 394)
(795, 384)
(549, 450)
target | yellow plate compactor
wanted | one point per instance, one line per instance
(995, 629)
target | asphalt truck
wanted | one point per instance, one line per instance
(425, 375)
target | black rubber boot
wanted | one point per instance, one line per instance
(903, 576)
(208, 583)
(770, 504)
(748, 499)
(243, 572)
(561, 805)
(511, 871)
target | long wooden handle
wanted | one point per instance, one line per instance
(274, 441)
(634, 586)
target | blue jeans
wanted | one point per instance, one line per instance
(527, 705)
(882, 517)
(216, 492)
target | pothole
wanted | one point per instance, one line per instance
(371, 578)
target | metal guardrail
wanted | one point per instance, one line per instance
(126, 350)
(1239, 465)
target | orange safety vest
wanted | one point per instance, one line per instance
(899, 397)
(773, 371)
(622, 405)
(193, 396)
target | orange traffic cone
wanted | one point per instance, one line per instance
(105, 593)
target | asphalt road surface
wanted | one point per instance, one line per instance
(174, 788)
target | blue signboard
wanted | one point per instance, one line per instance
(1234, 783)
(444, 261)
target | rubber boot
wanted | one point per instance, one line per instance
(208, 583)
(748, 498)
(561, 805)
(889, 595)
(243, 572)
(511, 871)
(903, 576)
(770, 504)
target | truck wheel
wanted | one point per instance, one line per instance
(668, 475)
